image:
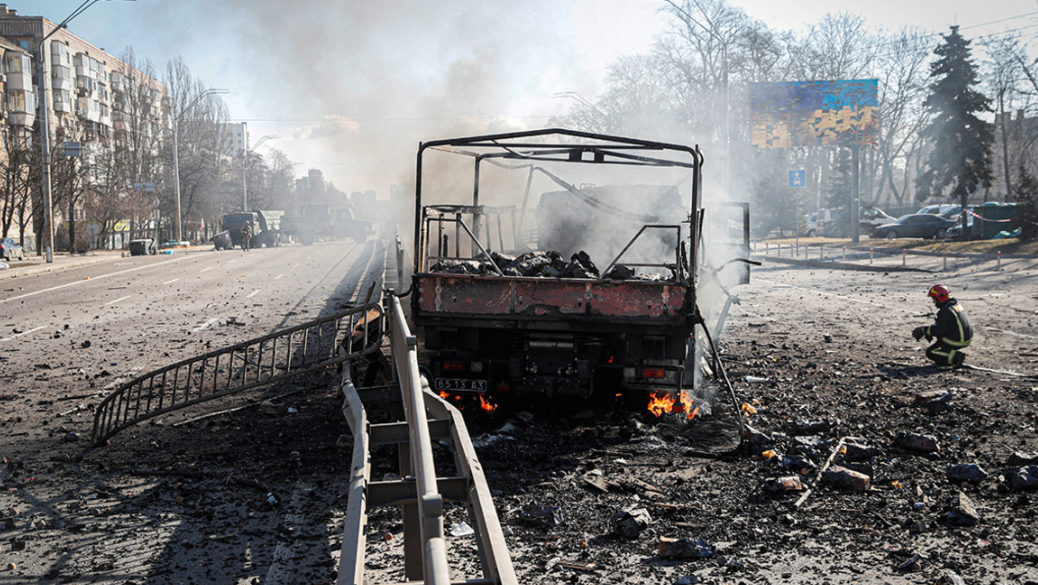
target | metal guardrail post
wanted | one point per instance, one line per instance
(430, 502)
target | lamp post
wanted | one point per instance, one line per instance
(245, 169)
(45, 129)
(580, 99)
(176, 149)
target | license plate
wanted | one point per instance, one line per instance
(460, 385)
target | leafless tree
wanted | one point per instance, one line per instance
(203, 167)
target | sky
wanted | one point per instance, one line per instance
(352, 87)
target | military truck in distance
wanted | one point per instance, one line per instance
(320, 222)
(265, 228)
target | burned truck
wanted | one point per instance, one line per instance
(573, 263)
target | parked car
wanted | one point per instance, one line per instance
(10, 250)
(143, 247)
(936, 209)
(916, 225)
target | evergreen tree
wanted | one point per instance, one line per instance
(961, 141)
(1027, 197)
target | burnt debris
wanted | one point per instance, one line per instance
(538, 264)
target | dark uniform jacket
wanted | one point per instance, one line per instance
(952, 326)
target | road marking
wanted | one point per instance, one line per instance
(206, 324)
(117, 300)
(278, 276)
(231, 261)
(171, 281)
(206, 269)
(297, 265)
(253, 293)
(67, 284)
(17, 335)
(282, 562)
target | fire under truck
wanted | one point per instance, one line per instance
(505, 285)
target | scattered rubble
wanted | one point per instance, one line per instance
(630, 523)
(683, 548)
(537, 264)
(917, 442)
(961, 511)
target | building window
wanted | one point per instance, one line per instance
(20, 101)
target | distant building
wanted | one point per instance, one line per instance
(233, 139)
(93, 97)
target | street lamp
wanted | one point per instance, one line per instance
(176, 155)
(580, 99)
(45, 130)
(245, 169)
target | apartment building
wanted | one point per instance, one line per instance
(94, 98)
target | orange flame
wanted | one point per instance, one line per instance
(661, 403)
(486, 404)
(444, 395)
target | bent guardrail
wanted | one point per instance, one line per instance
(257, 362)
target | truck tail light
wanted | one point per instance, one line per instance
(503, 388)
(652, 372)
(453, 366)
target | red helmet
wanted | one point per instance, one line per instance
(939, 293)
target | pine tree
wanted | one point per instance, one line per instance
(961, 141)
(1027, 197)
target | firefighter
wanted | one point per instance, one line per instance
(951, 329)
(246, 235)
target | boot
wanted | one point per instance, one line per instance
(957, 359)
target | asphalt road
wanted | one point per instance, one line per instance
(67, 338)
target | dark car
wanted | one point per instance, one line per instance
(916, 225)
(10, 250)
(143, 247)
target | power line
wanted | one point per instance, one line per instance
(338, 120)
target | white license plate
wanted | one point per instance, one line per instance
(460, 385)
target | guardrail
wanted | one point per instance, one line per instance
(420, 492)
(250, 364)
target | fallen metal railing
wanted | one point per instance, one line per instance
(420, 492)
(257, 362)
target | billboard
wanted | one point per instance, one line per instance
(810, 113)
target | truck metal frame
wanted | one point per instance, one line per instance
(492, 332)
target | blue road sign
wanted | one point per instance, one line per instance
(798, 178)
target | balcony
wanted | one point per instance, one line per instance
(19, 80)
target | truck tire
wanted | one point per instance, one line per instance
(306, 239)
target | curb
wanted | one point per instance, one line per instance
(833, 265)
(57, 267)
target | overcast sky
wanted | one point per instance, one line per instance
(351, 87)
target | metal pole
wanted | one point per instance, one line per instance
(244, 179)
(45, 141)
(855, 178)
(176, 177)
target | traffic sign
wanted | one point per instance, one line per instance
(798, 178)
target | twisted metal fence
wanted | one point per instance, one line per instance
(257, 362)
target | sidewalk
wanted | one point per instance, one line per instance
(62, 261)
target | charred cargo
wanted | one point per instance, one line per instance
(560, 290)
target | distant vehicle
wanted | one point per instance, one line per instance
(143, 247)
(833, 223)
(174, 243)
(321, 221)
(10, 250)
(265, 227)
(222, 241)
(916, 225)
(811, 224)
(936, 209)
